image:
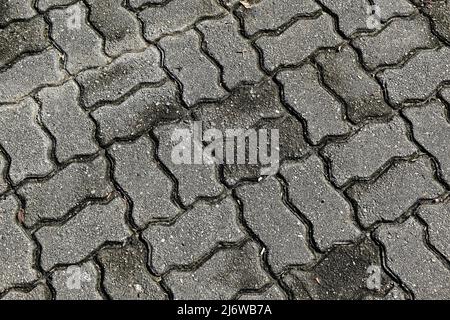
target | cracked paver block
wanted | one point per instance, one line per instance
(437, 218)
(292, 145)
(239, 60)
(412, 261)
(29, 74)
(16, 249)
(298, 42)
(274, 292)
(84, 233)
(113, 81)
(198, 75)
(22, 37)
(54, 198)
(3, 166)
(395, 191)
(431, 128)
(182, 13)
(71, 126)
(348, 272)
(126, 276)
(322, 112)
(226, 273)
(139, 113)
(419, 77)
(15, 9)
(368, 150)
(39, 292)
(44, 5)
(362, 93)
(330, 214)
(120, 28)
(282, 232)
(354, 14)
(272, 14)
(410, 34)
(194, 180)
(78, 43)
(139, 175)
(25, 141)
(77, 282)
(194, 234)
(244, 108)
(139, 3)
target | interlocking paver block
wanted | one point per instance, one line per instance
(323, 113)
(138, 113)
(243, 108)
(349, 272)
(16, 248)
(410, 34)
(199, 76)
(40, 292)
(78, 42)
(298, 42)
(138, 174)
(84, 233)
(29, 74)
(182, 13)
(410, 259)
(196, 233)
(279, 229)
(123, 74)
(330, 214)
(368, 150)
(221, 277)
(395, 191)
(431, 128)
(52, 199)
(292, 145)
(15, 9)
(362, 94)
(272, 14)
(29, 36)
(77, 282)
(354, 15)
(126, 275)
(25, 141)
(419, 77)
(238, 58)
(71, 126)
(194, 180)
(120, 28)
(436, 216)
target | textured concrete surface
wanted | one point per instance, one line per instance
(92, 205)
